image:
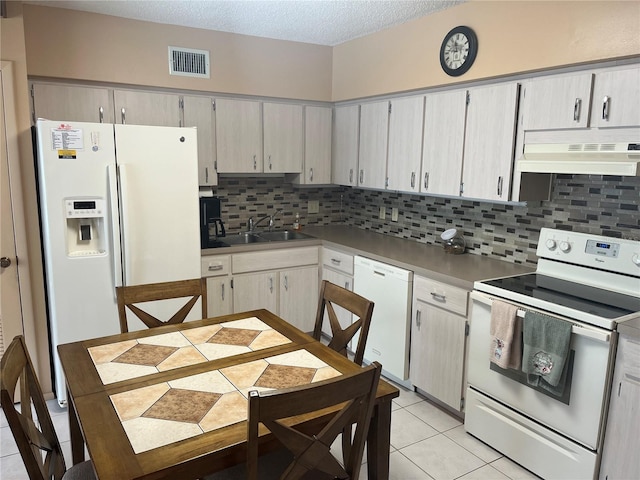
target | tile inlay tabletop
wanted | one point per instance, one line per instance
(130, 359)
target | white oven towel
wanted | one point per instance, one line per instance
(546, 348)
(506, 335)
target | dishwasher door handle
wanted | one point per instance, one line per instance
(382, 274)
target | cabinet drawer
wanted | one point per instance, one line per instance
(340, 261)
(441, 294)
(214, 266)
(274, 259)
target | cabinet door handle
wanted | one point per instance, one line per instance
(206, 174)
(439, 296)
(361, 176)
(286, 283)
(418, 318)
(500, 186)
(222, 291)
(270, 284)
(426, 180)
(351, 175)
(605, 107)
(215, 268)
(413, 179)
(123, 116)
(101, 114)
(311, 174)
(255, 163)
(335, 261)
(577, 106)
(270, 165)
(346, 285)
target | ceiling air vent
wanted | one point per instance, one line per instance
(188, 62)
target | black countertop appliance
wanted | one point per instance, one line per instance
(211, 225)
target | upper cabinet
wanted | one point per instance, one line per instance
(616, 97)
(238, 136)
(600, 99)
(405, 144)
(71, 103)
(558, 102)
(443, 142)
(344, 158)
(134, 107)
(282, 138)
(198, 112)
(317, 146)
(240, 125)
(372, 157)
(489, 142)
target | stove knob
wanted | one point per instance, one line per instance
(636, 259)
(565, 247)
(551, 244)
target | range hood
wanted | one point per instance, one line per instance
(581, 158)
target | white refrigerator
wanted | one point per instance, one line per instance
(118, 206)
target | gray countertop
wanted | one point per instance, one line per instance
(427, 260)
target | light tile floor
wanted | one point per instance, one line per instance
(426, 444)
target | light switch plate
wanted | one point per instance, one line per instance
(383, 213)
(394, 214)
(313, 206)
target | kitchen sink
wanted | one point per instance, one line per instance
(243, 239)
(246, 238)
(284, 235)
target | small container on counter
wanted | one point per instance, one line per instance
(452, 241)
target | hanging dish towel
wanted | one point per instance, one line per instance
(546, 348)
(506, 335)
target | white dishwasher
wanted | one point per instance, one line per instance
(390, 289)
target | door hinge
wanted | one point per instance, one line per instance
(461, 188)
(389, 107)
(466, 329)
(386, 183)
(468, 98)
(213, 105)
(462, 404)
(181, 104)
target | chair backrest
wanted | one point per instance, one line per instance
(129, 298)
(330, 295)
(31, 426)
(311, 451)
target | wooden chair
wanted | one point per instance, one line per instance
(354, 393)
(31, 426)
(362, 308)
(129, 297)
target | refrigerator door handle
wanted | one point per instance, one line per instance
(115, 226)
(124, 216)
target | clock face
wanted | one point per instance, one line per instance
(458, 51)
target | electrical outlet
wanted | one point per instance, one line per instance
(394, 214)
(313, 206)
(383, 213)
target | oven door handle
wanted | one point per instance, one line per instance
(575, 329)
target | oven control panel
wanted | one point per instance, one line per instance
(605, 253)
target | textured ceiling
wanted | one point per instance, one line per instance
(323, 22)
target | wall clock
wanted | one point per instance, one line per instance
(458, 51)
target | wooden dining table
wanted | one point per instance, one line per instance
(171, 402)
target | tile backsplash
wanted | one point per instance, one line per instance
(602, 205)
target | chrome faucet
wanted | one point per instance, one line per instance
(253, 224)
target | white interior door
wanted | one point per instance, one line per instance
(10, 311)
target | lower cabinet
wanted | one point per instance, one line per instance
(337, 268)
(623, 423)
(284, 281)
(438, 339)
(217, 269)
